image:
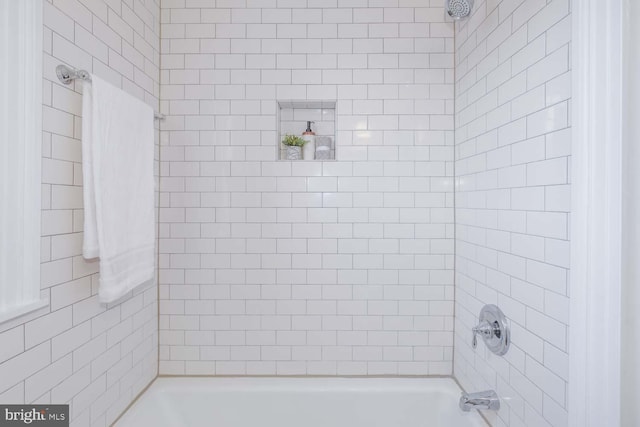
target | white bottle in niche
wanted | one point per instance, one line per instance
(309, 148)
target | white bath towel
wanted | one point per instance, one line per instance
(117, 169)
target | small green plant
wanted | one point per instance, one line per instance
(292, 140)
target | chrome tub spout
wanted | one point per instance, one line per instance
(487, 399)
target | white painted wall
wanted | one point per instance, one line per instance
(97, 358)
(630, 412)
(271, 267)
(513, 139)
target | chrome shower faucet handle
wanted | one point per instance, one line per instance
(485, 330)
(494, 330)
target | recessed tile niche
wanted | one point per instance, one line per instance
(293, 117)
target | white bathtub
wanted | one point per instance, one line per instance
(300, 402)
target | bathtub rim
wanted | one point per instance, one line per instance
(302, 377)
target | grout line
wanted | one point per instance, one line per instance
(138, 396)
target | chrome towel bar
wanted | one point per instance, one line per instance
(67, 75)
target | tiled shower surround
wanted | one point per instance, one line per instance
(306, 268)
(513, 90)
(345, 267)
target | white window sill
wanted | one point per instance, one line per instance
(22, 310)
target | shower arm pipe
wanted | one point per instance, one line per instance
(66, 75)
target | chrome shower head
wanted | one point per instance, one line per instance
(458, 9)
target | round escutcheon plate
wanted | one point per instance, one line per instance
(500, 340)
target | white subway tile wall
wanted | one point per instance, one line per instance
(95, 357)
(513, 96)
(322, 268)
(345, 267)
